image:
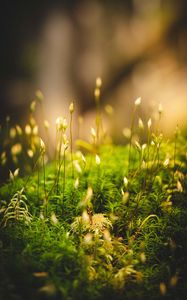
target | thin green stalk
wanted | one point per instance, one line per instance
(148, 146)
(160, 111)
(44, 184)
(31, 174)
(64, 176)
(59, 162)
(149, 123)
(97, 93)
(38, 182)
(46, 127)
(130, 140)
(137, 103)
(55, 182)
(71, 143)
(98, 122)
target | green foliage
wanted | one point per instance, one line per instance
(109, 224)
(17, 210)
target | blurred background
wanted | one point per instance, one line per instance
(137, 47)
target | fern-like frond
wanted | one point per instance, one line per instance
(17, 210)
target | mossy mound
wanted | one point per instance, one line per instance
(106, 228)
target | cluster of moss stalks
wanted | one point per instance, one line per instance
(106, 223)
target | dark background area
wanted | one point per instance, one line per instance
(21, 29)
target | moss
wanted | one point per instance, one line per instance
(128, 260)
(108, 225)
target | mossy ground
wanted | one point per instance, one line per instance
(97, 235)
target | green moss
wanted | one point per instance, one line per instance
(108, 225)
(48, 257)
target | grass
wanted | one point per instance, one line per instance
(102, 222)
